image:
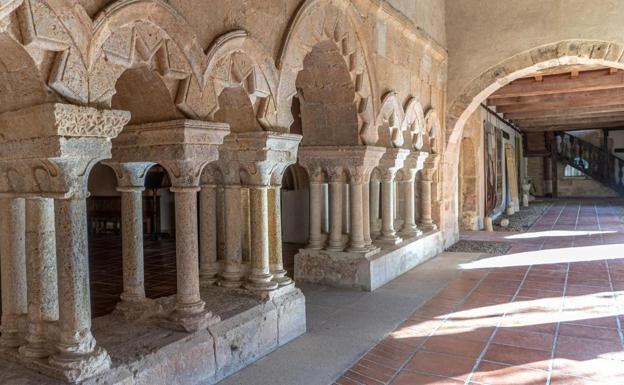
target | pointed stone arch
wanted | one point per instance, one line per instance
(237, 60)
(433, 129)
(414, 124)
(132, 33)
(318, 21)
(390, 121)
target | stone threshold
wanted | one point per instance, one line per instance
(366, 271)
(143, 352)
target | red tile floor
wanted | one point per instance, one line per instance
(548, 312)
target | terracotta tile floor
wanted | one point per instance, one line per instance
(549, 312)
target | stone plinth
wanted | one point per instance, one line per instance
(367, 271)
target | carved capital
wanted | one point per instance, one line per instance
(336, 174)
(130, 174)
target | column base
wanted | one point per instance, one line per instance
(209, 277)
(35, 349)
(428, 226)
(279, 276)
(389, 240)
(11, 339)
(78, 367)
(316, 244)
(135, 310)
(261, 283)
(410, 232)
(358, 248)
(189, 322)
(231, 279)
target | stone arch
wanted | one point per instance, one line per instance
(433, 129)
(315, 22)
(150, 33)
(414, 125)
(390, 121)
(238, 61)
(566, 52)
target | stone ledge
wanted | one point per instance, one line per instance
(366, 272)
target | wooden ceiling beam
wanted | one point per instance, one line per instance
(610, 126)
(565, 112)
(553, 102)
(568, 121)
(562, 83)
(546, 98)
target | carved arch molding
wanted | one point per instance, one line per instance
(88, 56)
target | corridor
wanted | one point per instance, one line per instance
(549, 312)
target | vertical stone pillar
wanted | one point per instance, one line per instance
(316, 214)
(208, 265)
(41, 276)
(260, 278)
(366, 215)
(12, 268)
(132, 246)
(388, 233)
(189, 308)
(374, 208)
(358, 242)
(335, 235)
(346, 221)
(77, 354)
(426, 221)
(409, 228)
(232, 271)
(276, 261)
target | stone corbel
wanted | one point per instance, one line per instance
(414, 162)
(430, 166)
(391, 162)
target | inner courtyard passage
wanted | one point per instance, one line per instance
(548, 311)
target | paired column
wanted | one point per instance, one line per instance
(189, 309)
(356, 183)
(41, 276)
(76, 345)
(232, 271)
(13, 269)
(374, 208)
(366, 227)
(276, 261)
(388, 233)
(260, 277)
(316, 214)
(208, 265)
(132, 244)
(426, 220)
(409, 228)
(335, 242)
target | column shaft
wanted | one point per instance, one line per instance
(208, 268)
(335, 234)
(12, 268)
(357, 218)
(316, 215)
(409, 221)
(232, 271)
(132, 244)
(374, 208)
(366, 215)
(188, 299)
(42, 275)
(276, 261)
(388, 234)
(259, 276)
(426, 220)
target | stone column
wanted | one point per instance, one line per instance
(132, 246)
(260, 278)
(42, 276)
(76, 350)
(366, 215)
(426, 221)
(374, 208)
(335, 235)
(12, 268)
(388, 234)
(316, 214)
(232, 271)
(189, 309)
(356, 187)
(208, 265)
(276, 262)
(346, 222)
(409, 220)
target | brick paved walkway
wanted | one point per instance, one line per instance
(549, 312)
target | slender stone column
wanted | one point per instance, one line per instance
(232, 271)
(208, 265)
(260, 278)
(76, 348)
(388, 234)
(374, 208)
(335, 236)
(426, 221)
(409, 221)
(189, 304)
(366, 215)
(41, 273)
(346, 222)
(276, 261)
(358, 242)
(12, 268)
(316, 215)
(132, 245)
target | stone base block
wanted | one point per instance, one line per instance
(366, 271)
(144, 353)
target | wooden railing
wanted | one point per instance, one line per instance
(591, 160)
